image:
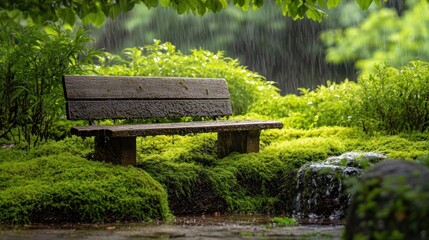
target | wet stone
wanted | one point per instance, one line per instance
(356, 159)
(321, 192)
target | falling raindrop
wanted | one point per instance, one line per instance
(283, 50)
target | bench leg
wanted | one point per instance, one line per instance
(120, 150)
(237, 141)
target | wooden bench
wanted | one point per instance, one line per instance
(100, 97)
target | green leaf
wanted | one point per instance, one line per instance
(214, 5)
(239, 3)
(151, 3)
(364, 4)
(224, 3)
(97, 19)
(315, 13)
(378, 2)
(258, 3)
(181, 8)
(67, 15)
(333, 3)
(201, 8)
(165, 3)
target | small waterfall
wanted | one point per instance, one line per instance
(320, 188)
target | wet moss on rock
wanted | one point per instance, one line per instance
(390, 202)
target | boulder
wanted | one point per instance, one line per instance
(390, 202)
(321, 192)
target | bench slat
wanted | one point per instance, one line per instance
(130, 130)
(110, 87)
(121, 109)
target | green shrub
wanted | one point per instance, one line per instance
(393, 100)
(162, 59)
(328, 105)
(32, 63)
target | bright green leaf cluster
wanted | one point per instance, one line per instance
(96, 11)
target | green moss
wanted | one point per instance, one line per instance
(58, 181)
(48, 186)
(198, 148)
(405, 146)
(261, 182)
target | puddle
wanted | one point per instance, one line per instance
(186, 227)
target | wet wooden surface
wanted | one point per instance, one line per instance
(121, 151)
(173, 128)
(103, 97)
(134, 109)
(110, 87)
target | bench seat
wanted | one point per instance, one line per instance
(179, 128)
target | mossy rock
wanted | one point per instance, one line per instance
(321, 191)
(390, 202)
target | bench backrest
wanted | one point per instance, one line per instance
(101, 97)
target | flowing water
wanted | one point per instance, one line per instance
(247, 226)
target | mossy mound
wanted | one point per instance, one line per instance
(54, 183)
(264, 182)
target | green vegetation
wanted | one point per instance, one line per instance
(390, 202)
(32, 62)
(42, 180)
(383, 37)
(393, 100)
(284, 221)
(95, 12)
(55, 183)
(162, 59)
(328, 105)
(59, 184)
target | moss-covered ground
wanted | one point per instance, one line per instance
(175, 174)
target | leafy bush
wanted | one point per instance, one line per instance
(328, 105)
(393, 100)
(55, 184)
(32, 62)
(162, 59)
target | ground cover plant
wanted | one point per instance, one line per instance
(55, 183)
